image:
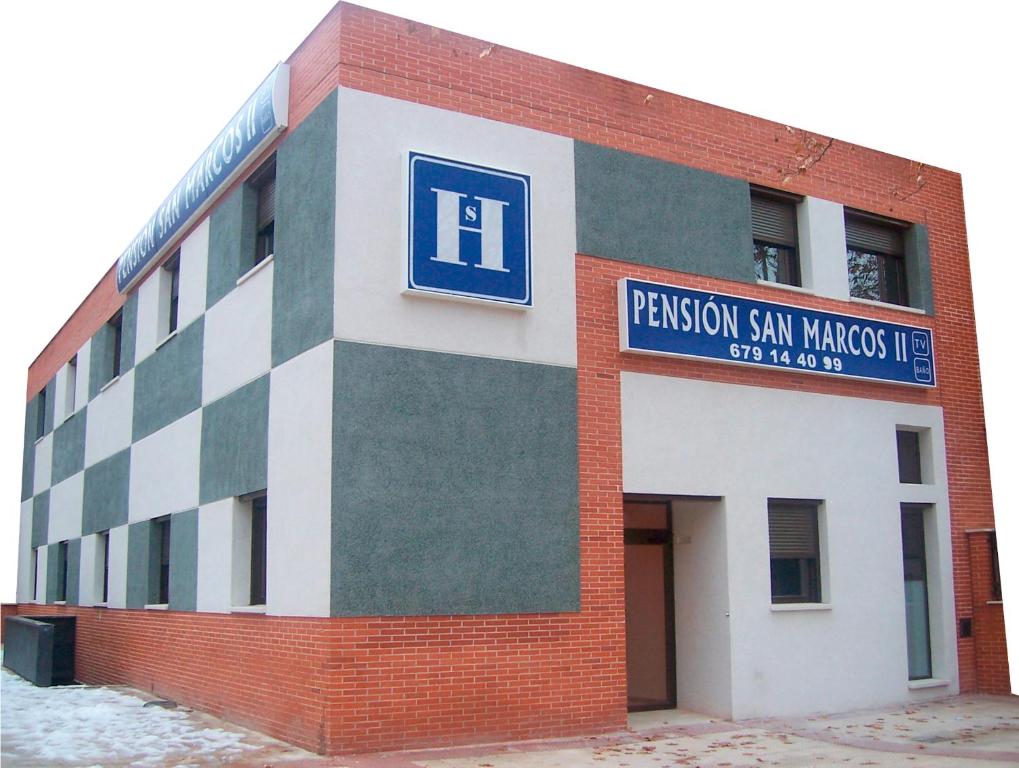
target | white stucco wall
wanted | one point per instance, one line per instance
(118, 567)
(375, 135)
(822, 235)
(215, 555)
(165, 468)
(110, 416)
(65, 508)
(746, 444)
(703, 644)
(24, 584)
(238, 336)
(300, 484)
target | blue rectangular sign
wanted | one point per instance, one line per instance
(469, 231)
(262, 117)
(668, 320)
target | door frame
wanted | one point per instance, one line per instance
(663, 538)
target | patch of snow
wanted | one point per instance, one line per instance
(83, 725)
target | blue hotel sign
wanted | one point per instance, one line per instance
(256, 124)
(469, 231)
(668, 320)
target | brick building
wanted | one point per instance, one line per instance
(456, 397)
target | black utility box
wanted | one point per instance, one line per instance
(40, 648)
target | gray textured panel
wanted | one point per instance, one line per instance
(168, 383)
(302, 290)
(454, 484)
(231, 242)
(918, 268)
(41, 519)
(69, 447)
(129, 330)
(235, 443)
(51, 403)
(73, 571)
(53, 558)
(184, 561)
(100, 364)
(646, 211)
(28, 455)
(106, 493)
(140, 565)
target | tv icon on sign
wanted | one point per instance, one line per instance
(469, 231)
(921, 344)
(922, 370)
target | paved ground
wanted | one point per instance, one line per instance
(43, 727)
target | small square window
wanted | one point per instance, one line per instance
(795, 552)
(910, 465)
(263, 181)
(875, 258)
(773, 220)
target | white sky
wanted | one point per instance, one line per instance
(107, 104)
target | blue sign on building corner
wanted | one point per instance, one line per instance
(469, 231)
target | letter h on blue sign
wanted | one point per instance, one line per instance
(469, 231)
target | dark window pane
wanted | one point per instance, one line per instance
(163, 536)
(864, 275)
(776, 264)
(62, 571)
(117, 327)
(995, 573)
(40, 414)
(795, 553)
(908, 444)
(914, 568)
(106, 566)
(258, 550)
(173, 267)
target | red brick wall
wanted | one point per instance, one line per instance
(7, 609)
(988, 619)
(354, 685)
(366, 684)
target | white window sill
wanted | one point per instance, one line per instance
(40, 439)
(886, 305)
(919, 685)
(109, 384)
(165, 339)
(255, 269)
(995, 602)
(247, 609)
(157, 607)
(794, 607)
(100, 605)
(787, 287)
(59, 602)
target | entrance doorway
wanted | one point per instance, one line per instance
(650, 606)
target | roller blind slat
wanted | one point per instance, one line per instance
(774, 221)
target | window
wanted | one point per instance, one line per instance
(40, 414)
(914, 568)
(995, 573)
(70, 382)
(908, 444)
(116, 326)
(61, 591)
(258, 550)
(161, 553)
(876, 261)
(104, 554)
(263, 181)
(35, 573)
(172, 268)
(795, 554)
(773, 218)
